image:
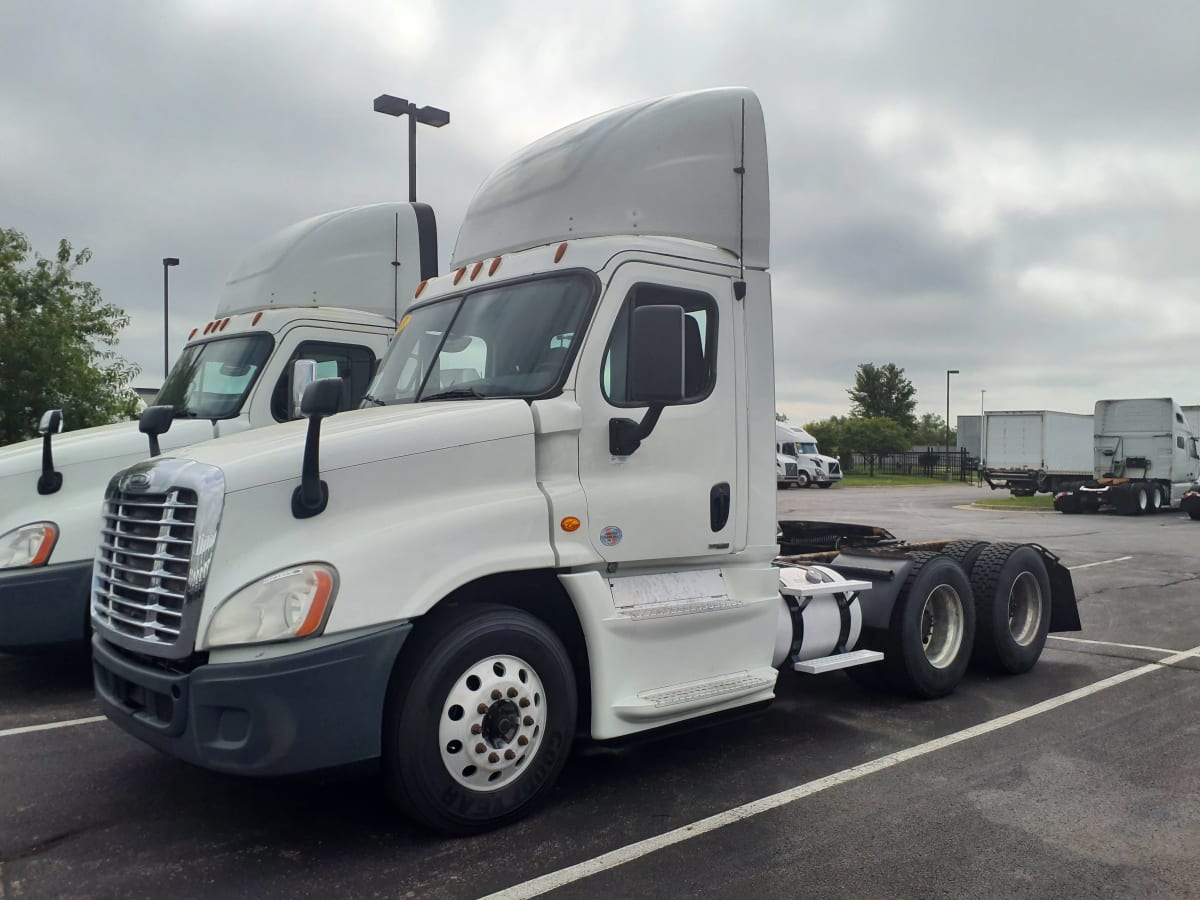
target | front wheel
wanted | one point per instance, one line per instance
(802, 480)
(824, 484)
(480, 720)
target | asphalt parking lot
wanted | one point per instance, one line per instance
(1077, 779)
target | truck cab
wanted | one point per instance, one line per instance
(324, 289)
(812, 467)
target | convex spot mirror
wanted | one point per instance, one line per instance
(656, 355)
(51, 423)
(322, 398)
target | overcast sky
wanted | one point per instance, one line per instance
(1008, 189)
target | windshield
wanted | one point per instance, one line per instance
(808, 447)
(508, 341)
(211, 380)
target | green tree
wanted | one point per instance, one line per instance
(931, 432)
(780, 417)
(56, 343)
(882, 392)
(873, 437)
(828, 433)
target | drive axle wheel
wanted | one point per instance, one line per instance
(1012, 592)
(480, 718)
(1156, 498)
(928, 644)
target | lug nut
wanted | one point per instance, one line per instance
(509, 754)
(512, 692)
(522, 740)
(476, 728)
(524, 702)
(479, 748)
(482, 708)
(493, 757)
(528, 720)
(496, 695)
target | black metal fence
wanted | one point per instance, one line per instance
(931, 463)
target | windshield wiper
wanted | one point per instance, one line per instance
(374, 400)
(455, 394)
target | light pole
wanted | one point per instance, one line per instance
(168, 262)
(982, 434)
(426, 115)
(949, 372)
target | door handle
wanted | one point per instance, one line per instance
(718, 506)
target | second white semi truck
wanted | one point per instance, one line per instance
(1145, 459)
(325, 289)
(502, 551)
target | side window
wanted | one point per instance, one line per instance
(699, 339)
(354, 364)
(1179, 443)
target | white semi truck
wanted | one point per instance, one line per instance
(812, 467)
(1032, 451)
(325, 289)
(1145, 459)
(501, 550)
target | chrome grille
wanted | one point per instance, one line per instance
(834, 468)
(141, 573)
(791, 470)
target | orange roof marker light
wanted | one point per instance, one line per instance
(459, 274)
(420, 287)
(192, 334)
(257, 316)
(558, 254)
(224, 322)
(209, 327)
(569, 524)
(475, 269)
(494, 266)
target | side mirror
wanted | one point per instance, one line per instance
(656, 373)
(321, 398)
(52, 423)
(656, 355)
(153, 421)
(304, 373)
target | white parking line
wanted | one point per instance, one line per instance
(1110, 644)
(551, 881)
(66, 723)
(1103, 562)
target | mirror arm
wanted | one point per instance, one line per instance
(312, 494)
(626, 435)
(50, 481)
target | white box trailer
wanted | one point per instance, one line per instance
(1145, 457)
(1028, 451)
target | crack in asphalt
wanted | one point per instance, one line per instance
(40, 847)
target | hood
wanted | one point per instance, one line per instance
(122, 443)
(358, 437)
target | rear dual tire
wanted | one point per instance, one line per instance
(1012, 599)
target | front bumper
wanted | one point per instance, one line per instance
(44, 606)
(280, 716)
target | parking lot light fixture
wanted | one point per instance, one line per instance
(168, 262)
(426, 115)
(949, 372)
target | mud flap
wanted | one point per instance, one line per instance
(1064, 608)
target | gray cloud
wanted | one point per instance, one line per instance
(1006, 189)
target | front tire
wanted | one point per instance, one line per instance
(824, 484)
(1012, 596)
(479, 720)
(802, 479)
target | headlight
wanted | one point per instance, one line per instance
(29, 545)
(294, 603)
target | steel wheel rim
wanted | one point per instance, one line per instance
(942, 626)
(1025, 609)
(492, 722)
